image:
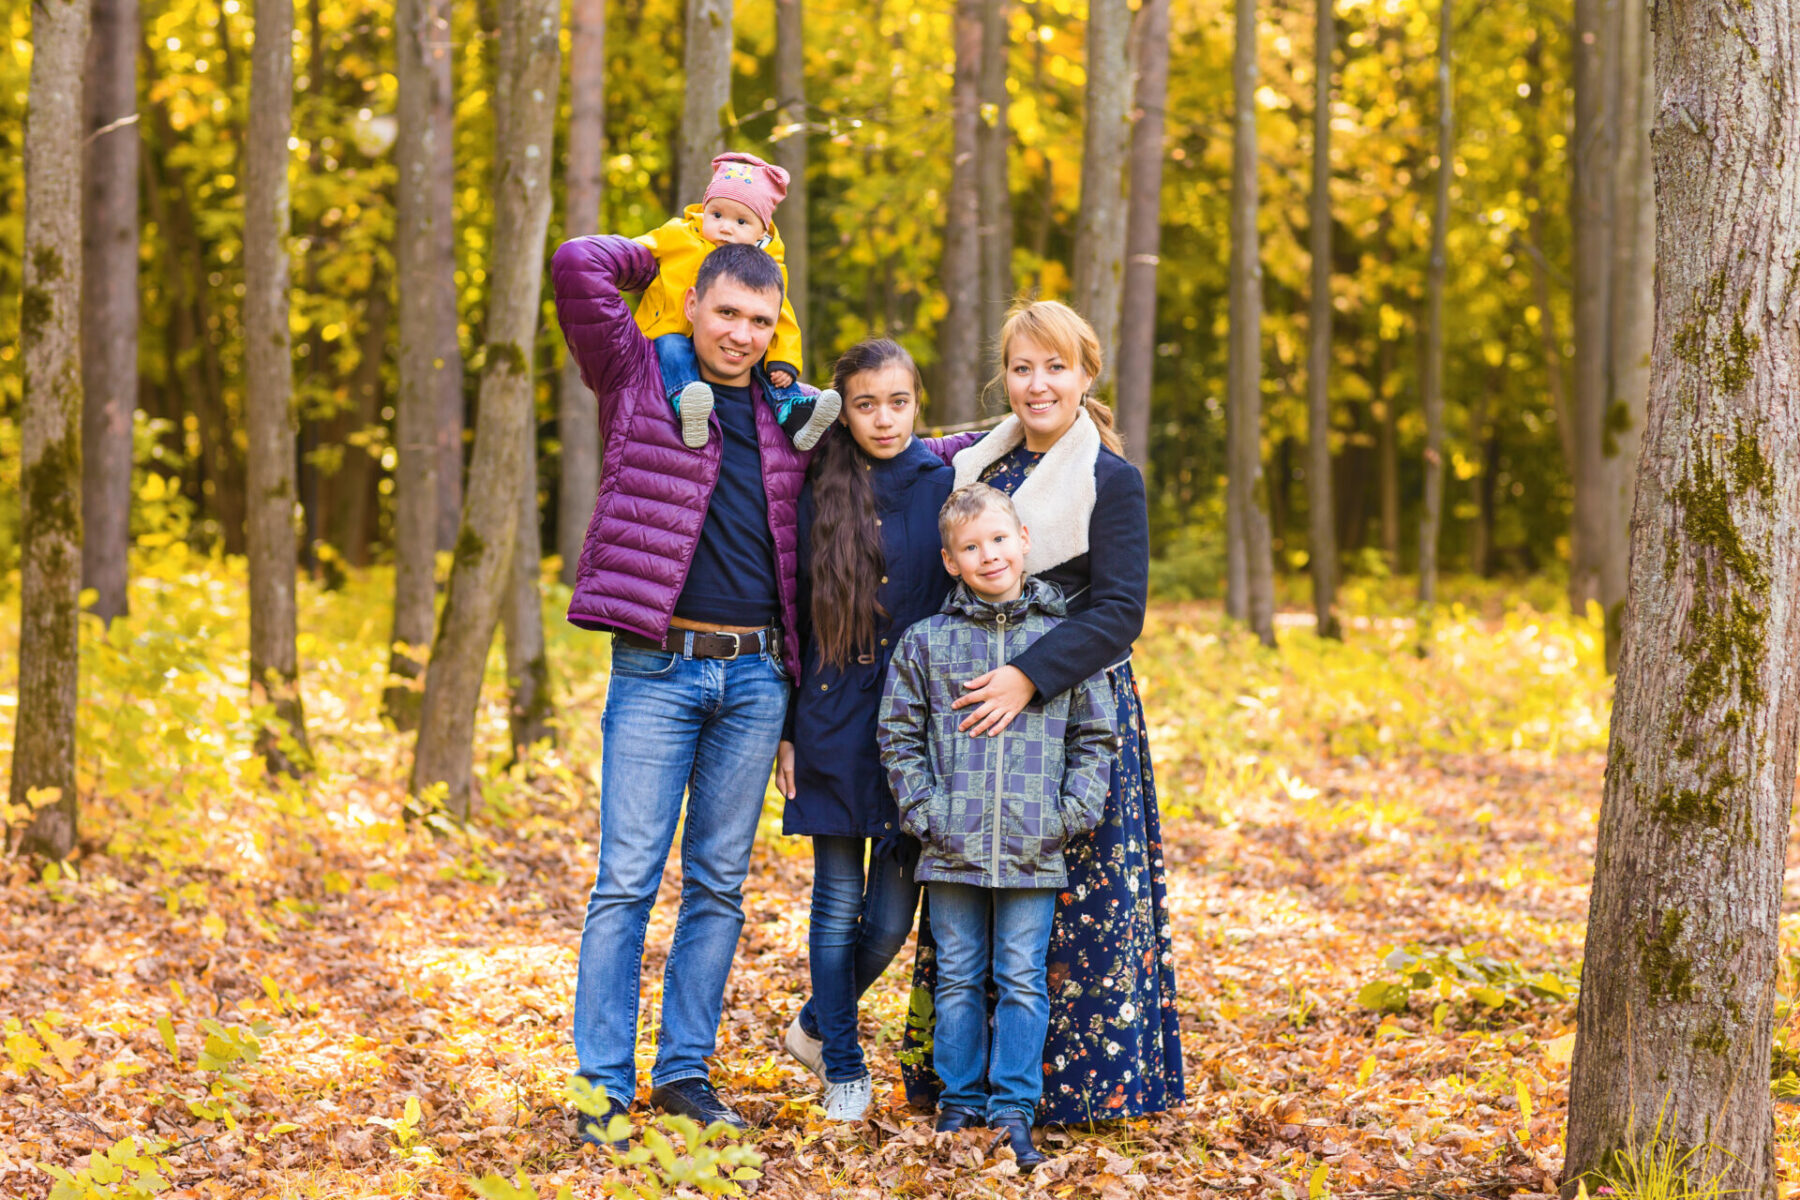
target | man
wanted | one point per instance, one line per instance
(690, 563)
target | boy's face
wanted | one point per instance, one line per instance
(987, 552)
(724, 220)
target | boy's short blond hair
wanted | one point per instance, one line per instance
(968, 502)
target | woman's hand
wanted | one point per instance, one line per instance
(784, 769)
(1000, 696)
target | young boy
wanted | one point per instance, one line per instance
(739, 206)
(992, 813)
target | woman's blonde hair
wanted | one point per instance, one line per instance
(1064, 332)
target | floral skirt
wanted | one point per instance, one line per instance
(1114, 1048)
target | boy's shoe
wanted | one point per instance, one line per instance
(1017, 1130)
(697, 1100)
(695, 407)
(847, 1101)
(593, 1129)
(807, 1050)
(954, 1117)
(826, 407)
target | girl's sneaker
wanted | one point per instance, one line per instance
(695, 407)
(826, 407)
(807, 1050)
(847, 1101)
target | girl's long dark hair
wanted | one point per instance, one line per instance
(847, 560)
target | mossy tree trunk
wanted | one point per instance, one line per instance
(1143, 232)
(529, 707)
(1677, 999)
(1322, 532)
(430, 362)
(524, 117)
(269, 389)
(1431, 377)
(1099, 267)
(790, 154)
(706, 64)
(959, 349)
(993, 157)
(1250, 582)
(577, 416)
(43, 757)
(109, 303)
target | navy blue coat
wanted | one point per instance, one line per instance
(840, 787)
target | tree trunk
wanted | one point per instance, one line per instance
(790, 155)
(353, 488)
(993, 153)
(50, 461)
(1431, 390)
(428, 446)
(1388, 456)
(577, 417)
(529, 708)
(109, 303)
(269, 388)
(1100, 225)
(1631, 309)
(524, 120)
(1322, 543)
(1481, 485)
(1678, 991)
(1555, 377)
(1250, 594)
(959, 348)
(1590, 202)
(1143, 233)
(707, 67)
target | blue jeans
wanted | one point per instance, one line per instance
(675, 354)
(672, 724)
(1008, 928)
(856, 932)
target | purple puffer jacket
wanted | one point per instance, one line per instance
(653, 489)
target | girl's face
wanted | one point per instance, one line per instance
(1044, 390)
(879, 406)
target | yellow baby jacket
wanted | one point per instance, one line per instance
(679, 249)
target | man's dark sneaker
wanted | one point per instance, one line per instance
(953, 1117)
(697, 1100)
(1016, 1129)
(593, 1129)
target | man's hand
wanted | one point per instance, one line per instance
(781, 379)
(1002, 695)
(784, 769)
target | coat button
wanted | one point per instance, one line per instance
(884, 641)
(888, 825)
(824, 687)
(884, 579)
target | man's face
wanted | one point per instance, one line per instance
(732, 328)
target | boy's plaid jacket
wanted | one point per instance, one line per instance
(992, 811)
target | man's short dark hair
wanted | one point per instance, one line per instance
(744, 264)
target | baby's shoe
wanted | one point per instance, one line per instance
(826, 407)
(695, 407)
(847, 1101)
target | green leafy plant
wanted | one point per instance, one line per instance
(129, 1169)
(1456, 977)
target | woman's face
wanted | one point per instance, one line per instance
(878, 407)
(1044, 390)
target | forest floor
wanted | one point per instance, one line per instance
(251, 990)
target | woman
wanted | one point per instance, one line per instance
(1114, 1048)
(869, 567)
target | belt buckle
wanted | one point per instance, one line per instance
(737, 643)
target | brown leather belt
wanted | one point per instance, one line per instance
(704, 645)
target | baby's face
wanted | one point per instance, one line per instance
(723, 221)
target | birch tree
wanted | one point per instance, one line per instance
(524, 117)
(1675, 1022)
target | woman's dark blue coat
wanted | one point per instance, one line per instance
(840, 788)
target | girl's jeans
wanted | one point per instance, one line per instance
(1010, 928)
(857, 929)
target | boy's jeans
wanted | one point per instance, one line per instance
(675, 353)
(1011, 928)
(708, 727)
(856, 932)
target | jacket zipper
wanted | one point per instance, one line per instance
(999, 756)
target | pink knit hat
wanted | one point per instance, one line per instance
(757, 185)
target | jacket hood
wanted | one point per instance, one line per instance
(1036, 594)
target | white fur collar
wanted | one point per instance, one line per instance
(1056, 500)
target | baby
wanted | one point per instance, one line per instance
(739, 206)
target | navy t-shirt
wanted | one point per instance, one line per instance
(732, 581)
